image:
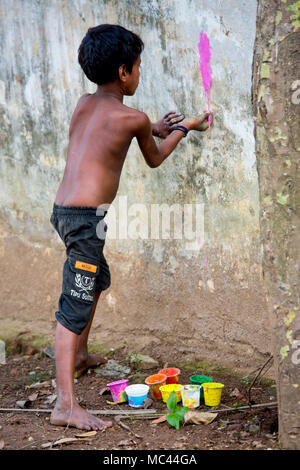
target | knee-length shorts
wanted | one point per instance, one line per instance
(85, 270)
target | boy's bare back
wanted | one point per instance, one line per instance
(101, 131)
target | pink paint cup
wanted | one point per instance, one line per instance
(117, 390)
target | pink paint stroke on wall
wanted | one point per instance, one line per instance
(204, 49)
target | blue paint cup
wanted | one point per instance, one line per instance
(136, 394)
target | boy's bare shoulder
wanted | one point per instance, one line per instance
(80, 103)
(82, 99)
(140, 120)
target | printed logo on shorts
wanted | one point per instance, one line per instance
(84, 283)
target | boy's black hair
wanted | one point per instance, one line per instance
(104, 48)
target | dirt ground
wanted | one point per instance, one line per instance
(255, 429)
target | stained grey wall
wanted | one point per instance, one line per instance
(212, 296)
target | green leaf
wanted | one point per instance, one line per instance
(237, 404)
(173, 420)
(278, 17)
(246, 380)
(289, 335)
(290, 318)
(284, 352)
(296, 25)
(172, 401)
(180, 412)
(265, 71)
(267, 199)
(266, 57)
(294, 7)
(282, 198)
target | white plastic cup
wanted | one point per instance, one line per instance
(190, 395)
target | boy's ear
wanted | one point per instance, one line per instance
(123, 73)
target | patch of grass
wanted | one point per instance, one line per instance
(16, 386)
(248, 379)
(10, 348)
(207, 368)
(237, 404)
(267, 381)
(39, 341)
(8, 332)
(138, 378)
(37, 377)
(98, 348)
(135, 360)
(17, 341)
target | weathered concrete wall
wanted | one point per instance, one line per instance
(209, 302)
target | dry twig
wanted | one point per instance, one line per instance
(256, 377)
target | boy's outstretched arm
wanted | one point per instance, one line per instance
(155, 154)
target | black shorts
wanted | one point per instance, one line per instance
(85, 270)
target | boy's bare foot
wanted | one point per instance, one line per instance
(85, 361)
(78, 418)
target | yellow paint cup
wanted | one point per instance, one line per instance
(166, 391)
(212, 393)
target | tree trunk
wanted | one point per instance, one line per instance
(276, 106)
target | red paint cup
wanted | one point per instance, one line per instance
(172, 375)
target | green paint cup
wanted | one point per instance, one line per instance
(199, 380)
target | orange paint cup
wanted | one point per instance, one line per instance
(172, 375)
(155, 381)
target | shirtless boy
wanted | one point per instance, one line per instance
(101, 130)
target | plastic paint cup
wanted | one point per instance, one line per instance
(166, 391)
(172, 374)
(136, 394)
(212, 393)
(155, 382)
(117, 390)
(191, 395)
(199, 380)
